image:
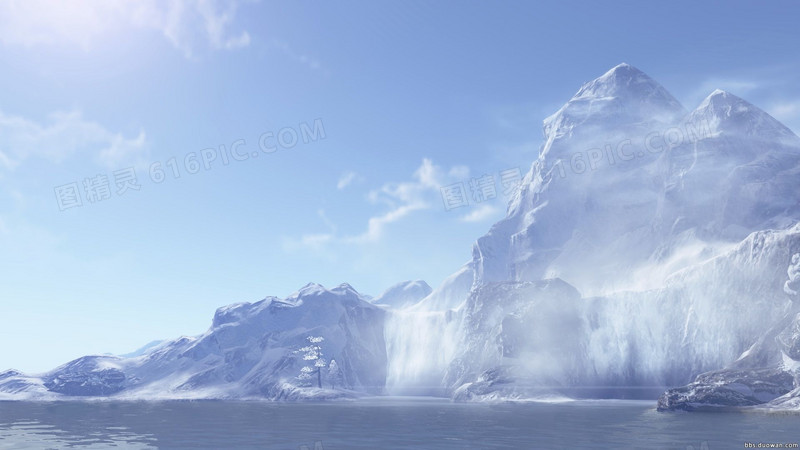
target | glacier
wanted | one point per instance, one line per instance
(647, 245)
(649, 252)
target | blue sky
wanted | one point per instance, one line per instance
(372, 106)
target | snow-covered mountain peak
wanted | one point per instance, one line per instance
(720, 98)
(345, 288)
(10, 373)
(729, 114)
(236, 312)
(621, 98)
(624, 80)
(720, 93)
(316, 290)
(628, 187)
(404, 294)
(309, 289)
(311, 286)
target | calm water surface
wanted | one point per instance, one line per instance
(380, 424)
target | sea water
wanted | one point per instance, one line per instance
(382, 423)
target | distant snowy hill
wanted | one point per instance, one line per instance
(403, 294)
(142, 350)
(249, 352)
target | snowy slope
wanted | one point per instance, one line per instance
(564, 198)
(768, 371)
(247, 353)
(16, 385)
(403, 294)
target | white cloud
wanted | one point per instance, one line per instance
(345, 180)
(63, 136)
(480, 214)
(426, 178)
(82, 22)
(376, 225)
(315, 240)
(402, 199)
(308, 61)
